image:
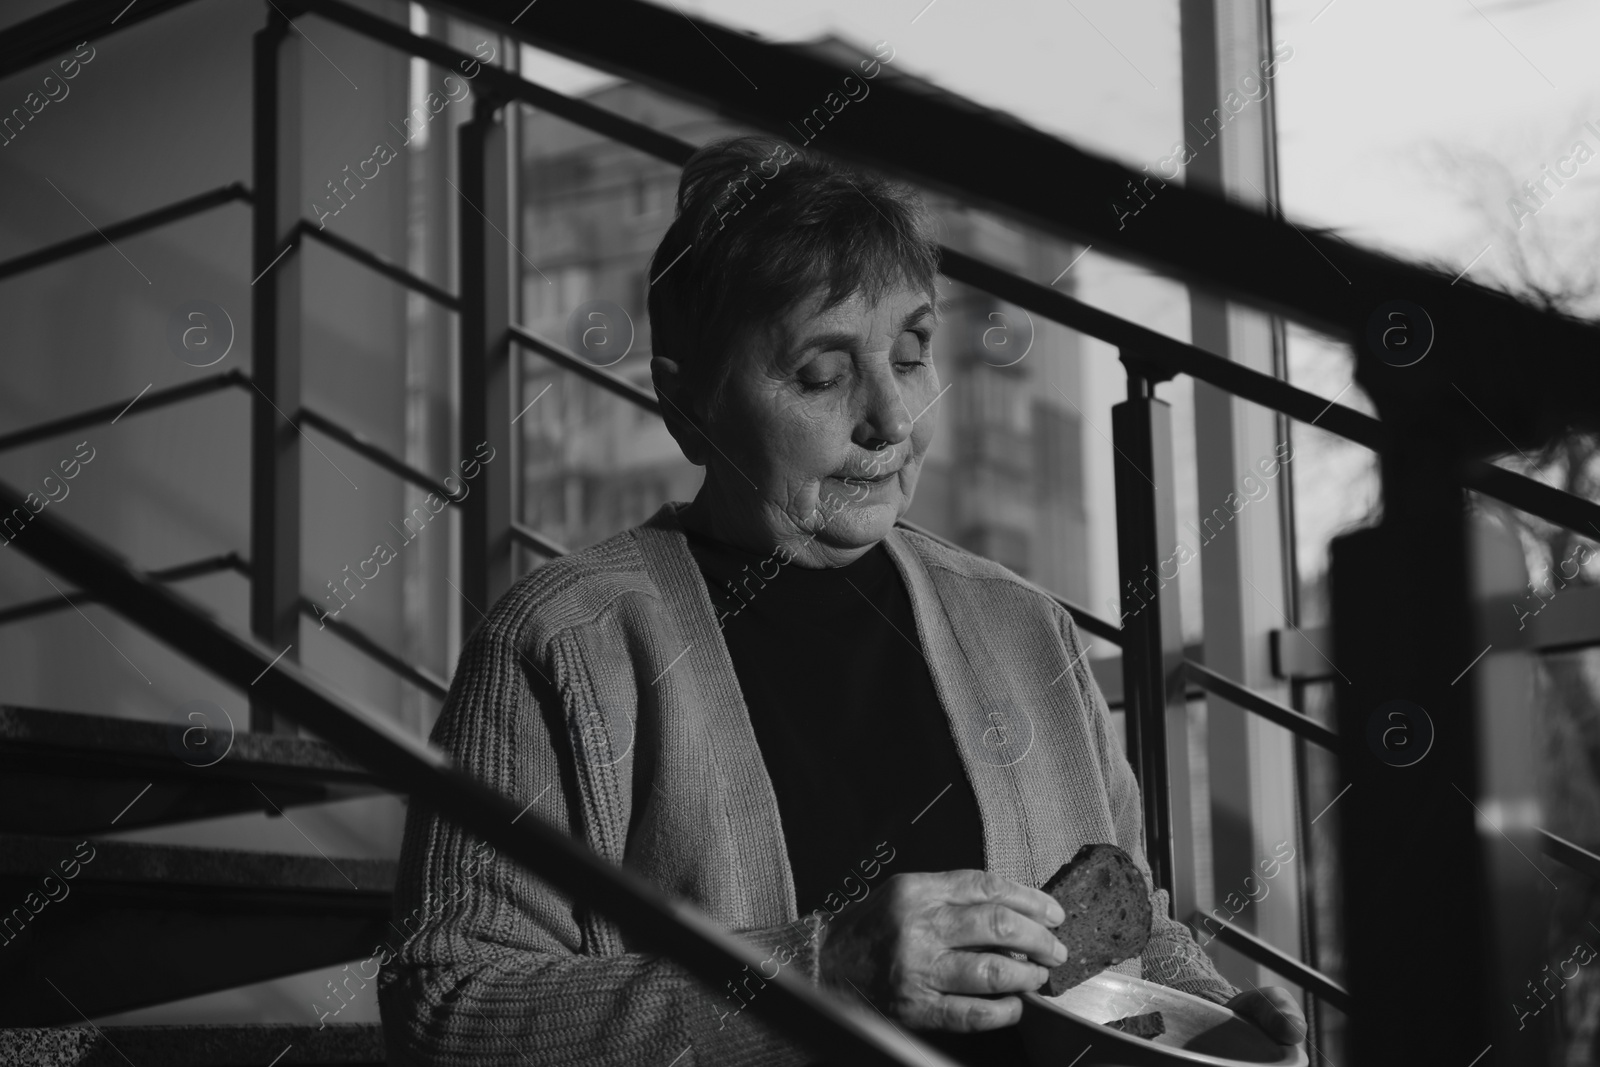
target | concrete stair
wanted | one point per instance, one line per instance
(139, 924)
(336, 1045)
(71, 773)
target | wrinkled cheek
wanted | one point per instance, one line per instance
(926, 424)
(908, 486)
(908, 480)
(810, 505)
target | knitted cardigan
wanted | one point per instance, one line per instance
(599, 692)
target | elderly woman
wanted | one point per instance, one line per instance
(856, 747)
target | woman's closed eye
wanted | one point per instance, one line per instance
(826, 369)
(823, 374)
(816, 379)
(920, 339)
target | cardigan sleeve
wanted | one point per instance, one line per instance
(492, 966)
(1171, 957)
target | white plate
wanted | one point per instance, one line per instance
(1058, 1030)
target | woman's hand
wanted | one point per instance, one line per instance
(930, 949)
(1275, 1010)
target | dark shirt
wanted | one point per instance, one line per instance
(867, 776)
(850, 727)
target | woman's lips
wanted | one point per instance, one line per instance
(868, 479)
(874, 470)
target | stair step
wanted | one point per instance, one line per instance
(72, 773)
(140, 924)
(210, 1045)
(174, 867)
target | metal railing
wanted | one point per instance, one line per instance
(1204, 240)
(405, 763)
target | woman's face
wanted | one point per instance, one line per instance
(821, 428)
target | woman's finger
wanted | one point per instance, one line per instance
(997, 926)
(1275, 1010)
(982, 887)
(961, 971)
(966, 1014)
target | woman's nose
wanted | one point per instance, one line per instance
(886, 418)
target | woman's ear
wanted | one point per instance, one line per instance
(677, 409)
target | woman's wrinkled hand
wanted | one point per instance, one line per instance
(931, 949)
(1275, 1010)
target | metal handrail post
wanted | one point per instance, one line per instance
(486, 224)
(275, 348)
(1152, 647)
(1443, 917)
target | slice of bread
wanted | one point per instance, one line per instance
(1107, 902)
(1150, 1024)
